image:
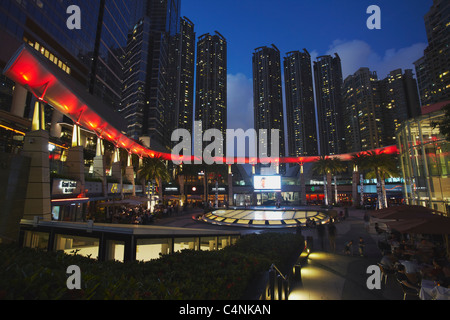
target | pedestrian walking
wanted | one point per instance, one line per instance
(348, 250)
(298, 229)
(332, 236)
(361, 246)
(366, 220)
(321, 234)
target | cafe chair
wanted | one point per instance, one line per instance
(385, 272)
(408, 291)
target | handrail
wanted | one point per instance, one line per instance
(278, 285)
(273, 266)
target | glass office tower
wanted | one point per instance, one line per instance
(148, 100)
(92, 55)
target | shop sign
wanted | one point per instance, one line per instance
(64, 187)
(220, 190)
(171, 190)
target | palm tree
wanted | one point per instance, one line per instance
(358, 165)
(380, 167)
(154, 169)
(336, 167)
(323, 166)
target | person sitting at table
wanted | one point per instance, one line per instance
(389, 260)
(436, 272)
(445, 282)
(412, 270)
(398, 253)
(404, 280)
(425, 250)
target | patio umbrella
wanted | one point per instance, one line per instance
(405, 212)
(120, 203)
(437, 225)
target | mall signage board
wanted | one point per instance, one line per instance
(267, 183)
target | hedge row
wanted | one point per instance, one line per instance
(187, 275)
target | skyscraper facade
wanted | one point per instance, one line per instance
(433, 70)
(362, 111)
(136, 93)
(374, 109)
(184, 43)
(92, 55)
(328, 80)
(211, 83)
(148, 102)
(400, 102)
(268, 94)
(115, 19)
(300, 105)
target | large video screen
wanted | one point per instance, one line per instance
(267, 183)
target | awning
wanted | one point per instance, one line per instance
(172, 197)
(437, 225)
(405, 212)
(126, 202)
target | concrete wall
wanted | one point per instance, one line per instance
(14, 171)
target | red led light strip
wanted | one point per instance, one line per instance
(28, 69)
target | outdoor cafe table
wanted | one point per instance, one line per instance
(431, 291)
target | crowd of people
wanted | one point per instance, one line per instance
(140, 215)
(413, 260)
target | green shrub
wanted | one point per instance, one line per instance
(28, 274)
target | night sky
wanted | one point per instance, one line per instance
(320, 26)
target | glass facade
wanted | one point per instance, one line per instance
(425, 162)
(92, 55)
(107, 75)
(82, 246)
(148, 99)
(120, 242)
(43, 25)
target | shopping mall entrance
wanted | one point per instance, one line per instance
(268, 198)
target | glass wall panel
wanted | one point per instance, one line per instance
(181, 244)
(208, 243)
(223, 242)
(86, 247)
(36, 240)
(425, 156)
(115, 250)
(151, 249)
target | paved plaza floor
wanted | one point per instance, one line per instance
(339, 276)
(326, 275)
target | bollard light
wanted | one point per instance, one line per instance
(298, 272)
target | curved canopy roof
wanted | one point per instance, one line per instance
(52, 85)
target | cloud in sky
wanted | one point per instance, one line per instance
(240, 102)
(357, 53)
(354, 55)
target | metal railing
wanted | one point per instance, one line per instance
(278, 286)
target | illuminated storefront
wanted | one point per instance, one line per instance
(425, 160)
